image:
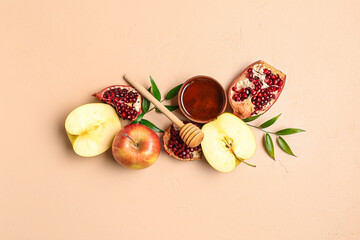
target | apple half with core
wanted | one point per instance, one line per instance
(136, 146)
(91, 128)
(227, 142)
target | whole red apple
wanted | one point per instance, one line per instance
(136, 146)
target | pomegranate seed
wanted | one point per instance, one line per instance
(118, 98)
(249, 70)
(178, 147)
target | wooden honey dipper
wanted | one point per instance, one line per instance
(189, 133)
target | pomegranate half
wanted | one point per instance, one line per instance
(175, 146)
(256, 89)
(125, 99)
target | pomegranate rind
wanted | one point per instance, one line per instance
(166, 138)
(245, 108)
(137, 105)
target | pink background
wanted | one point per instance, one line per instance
(55, 54)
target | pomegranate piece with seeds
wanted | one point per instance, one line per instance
(175, 146)
(256, 89)
(125, 99)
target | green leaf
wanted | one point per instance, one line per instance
(138, 119)
(249, 119)
(155, 89)
(284, 146)
(270, 122)
(288, 131)
(171, 108)
(269, 145)
(173, 92)
(146, 103)
(150, 125)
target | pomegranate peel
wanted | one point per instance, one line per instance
(125, 99)
(256, 89)
(175, 146)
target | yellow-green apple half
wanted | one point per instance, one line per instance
(91, 128)
(228, 141)
(136, 146)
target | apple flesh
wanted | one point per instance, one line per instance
(227, 142)
(136, 147)
(91, 128)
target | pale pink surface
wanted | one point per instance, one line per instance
(55, 54)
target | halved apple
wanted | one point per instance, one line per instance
(228, 141)
(91, 128)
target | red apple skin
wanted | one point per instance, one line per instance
(141, 154)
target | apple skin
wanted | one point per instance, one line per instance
(140, 152)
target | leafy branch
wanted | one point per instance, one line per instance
(154, 90)
(267, 138)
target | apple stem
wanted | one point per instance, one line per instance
(228, 144)
(130, 139)
(260, 129)
(251, 165)
(242, 160)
